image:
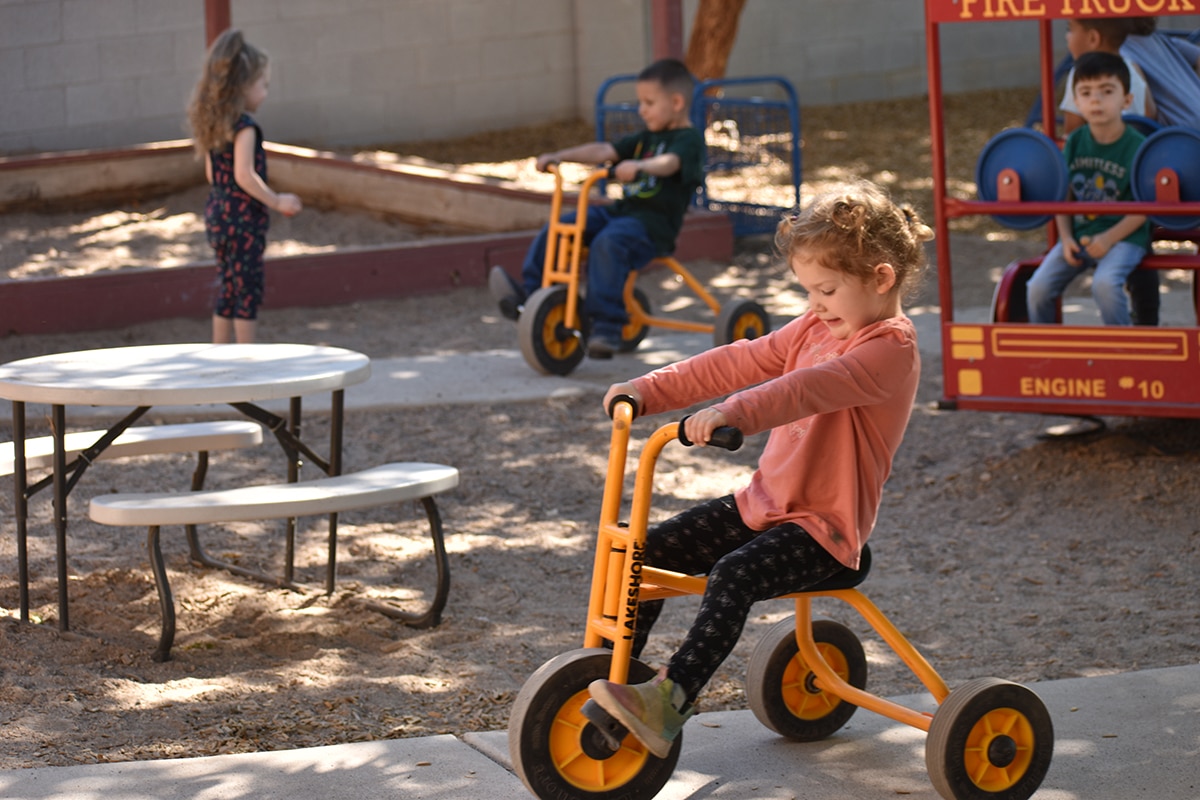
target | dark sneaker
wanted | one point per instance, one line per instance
(506, 292)
(602, 345)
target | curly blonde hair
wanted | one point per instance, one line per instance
(219, 99)
(854, 227)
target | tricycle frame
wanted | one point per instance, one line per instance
(620, 580)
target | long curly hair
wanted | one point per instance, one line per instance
(855, 226)
(219, 97)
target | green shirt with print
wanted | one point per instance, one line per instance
(659, 202)
(1101, 173)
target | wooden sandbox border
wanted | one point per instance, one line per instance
(509, 217)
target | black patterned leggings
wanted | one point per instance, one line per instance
(743, 567)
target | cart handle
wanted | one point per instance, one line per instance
(726, 437)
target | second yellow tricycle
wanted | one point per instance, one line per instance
(551, 331)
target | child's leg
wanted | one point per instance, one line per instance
(1047, 284)
(245, 330)
(1108, 284)
(223, 304)
(222, 329)
(535, 258)
(1144, 296)
(690, 542)
(619, 249)
(246, 284)
(781, 560)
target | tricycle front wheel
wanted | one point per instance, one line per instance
(558, 753)
(548, 344)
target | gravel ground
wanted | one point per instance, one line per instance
(998, 552)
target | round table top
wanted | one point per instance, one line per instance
(182, 374)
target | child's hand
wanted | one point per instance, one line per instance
(545, 160)
(627, 171)
(699, 426)
(618, 389)
(1071, 249)
(1096, 247)
(288, 204)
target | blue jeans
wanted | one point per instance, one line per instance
(617, 245)
(1108, 284)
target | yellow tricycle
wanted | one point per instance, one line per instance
(550, 330)
(989, 739)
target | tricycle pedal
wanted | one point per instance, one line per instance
(612, 731)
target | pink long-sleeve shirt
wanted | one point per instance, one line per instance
(836, 409)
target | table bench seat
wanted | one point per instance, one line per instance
(382, 485)
(191, 437)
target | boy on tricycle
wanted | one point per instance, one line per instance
(661, 167)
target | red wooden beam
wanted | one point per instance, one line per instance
(666, 28)
(217, 18)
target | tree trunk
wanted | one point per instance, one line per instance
(713, 33)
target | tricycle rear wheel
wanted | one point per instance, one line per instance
(990, 739)
(783, 691)
(740, 319)
(633, 334)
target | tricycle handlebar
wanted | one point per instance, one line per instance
(623, 398)
(726, 437)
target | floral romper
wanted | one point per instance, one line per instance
(236, 225)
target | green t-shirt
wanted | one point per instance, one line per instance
(1100, 173)
(659, 203)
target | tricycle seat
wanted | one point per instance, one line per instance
(847, 578)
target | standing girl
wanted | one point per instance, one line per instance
(233, 84)
(835, 388)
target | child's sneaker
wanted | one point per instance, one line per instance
(506, 292)
(604, 340)
(649, 710)
(601, 346)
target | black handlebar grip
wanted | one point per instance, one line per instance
(725, 437)
(626, 398)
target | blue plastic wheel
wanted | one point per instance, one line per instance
(1179, 149)
(1038, 162)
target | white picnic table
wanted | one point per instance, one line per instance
(138, 378)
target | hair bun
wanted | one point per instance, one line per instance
(920, 231)
(848, 214)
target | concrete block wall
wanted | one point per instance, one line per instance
(95, 73)
(378, 71)
(107, 73)
(858, 50)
